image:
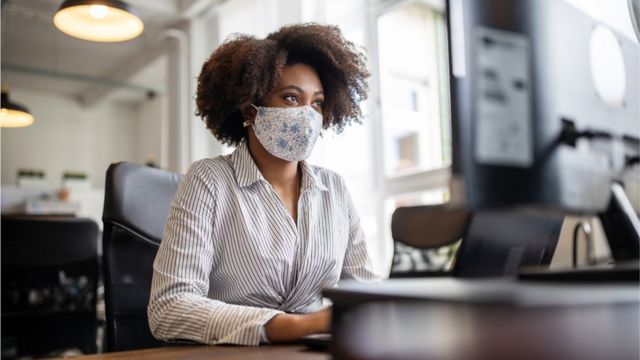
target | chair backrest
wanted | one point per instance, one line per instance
(428, 226)
(49, 278)
(419, 233)
(136, 206)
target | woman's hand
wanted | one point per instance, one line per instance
(288, 327)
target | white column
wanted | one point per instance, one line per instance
(177, 99)
(203, 35)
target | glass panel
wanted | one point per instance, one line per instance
(414, 89)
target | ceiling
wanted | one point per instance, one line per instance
(36, 55)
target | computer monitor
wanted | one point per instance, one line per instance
(502, 243)
(545, 112)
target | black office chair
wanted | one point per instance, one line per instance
(136, 206)
(49, 285)
(418, 232)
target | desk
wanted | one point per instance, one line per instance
(223, 352)
(456, 319)
(448, 331)
(485, 319)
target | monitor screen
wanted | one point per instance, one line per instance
(545, 106)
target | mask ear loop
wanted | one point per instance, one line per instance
(247, 123)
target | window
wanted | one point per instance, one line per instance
(413, 89)
(412, 118)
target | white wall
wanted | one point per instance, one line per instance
(203, 39)
(151, 131)
(68, 137)
(614, 13)
(256, 17)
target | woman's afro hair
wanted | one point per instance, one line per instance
(245, 70)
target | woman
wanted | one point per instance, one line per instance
(253, 237)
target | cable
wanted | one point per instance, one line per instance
(570, 134)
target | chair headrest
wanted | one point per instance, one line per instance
(139, 197)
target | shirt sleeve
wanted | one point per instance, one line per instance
(178, 306)
(357, 262)
(264, 339)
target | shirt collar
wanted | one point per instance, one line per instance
(310, 180)
(247, 172)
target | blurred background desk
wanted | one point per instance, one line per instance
(50, 278)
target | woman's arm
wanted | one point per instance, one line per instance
(287, 327)
(178, 306)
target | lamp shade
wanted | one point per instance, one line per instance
(13, 115)
(98, 20)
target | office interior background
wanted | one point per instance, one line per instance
(95, 103)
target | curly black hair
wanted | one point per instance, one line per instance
(245, 70)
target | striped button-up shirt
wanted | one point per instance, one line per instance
(232, 257)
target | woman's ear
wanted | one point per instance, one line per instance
(248, 113)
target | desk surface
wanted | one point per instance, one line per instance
(487, 291)
(485, 319)
(457, 332)
(266, 352)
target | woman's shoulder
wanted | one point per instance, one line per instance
(209, 168)
(327, 177)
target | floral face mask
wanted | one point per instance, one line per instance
(287, 133)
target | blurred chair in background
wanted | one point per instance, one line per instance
(49, 282)
(136, 206)
(424, 240)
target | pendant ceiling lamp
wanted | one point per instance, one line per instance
(13, 115)
(98, 20)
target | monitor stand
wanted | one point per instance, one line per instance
(622, 228)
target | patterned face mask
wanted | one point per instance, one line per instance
(287, 133)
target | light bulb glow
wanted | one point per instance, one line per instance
(99, 11)
(80, 21)
(14, 118)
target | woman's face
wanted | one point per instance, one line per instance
(298, 85)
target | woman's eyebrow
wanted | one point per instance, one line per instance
(291, 87)
(298, 89)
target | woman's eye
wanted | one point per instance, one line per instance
(319, 104)
(291, 98)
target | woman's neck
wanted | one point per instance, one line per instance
(281, 174)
